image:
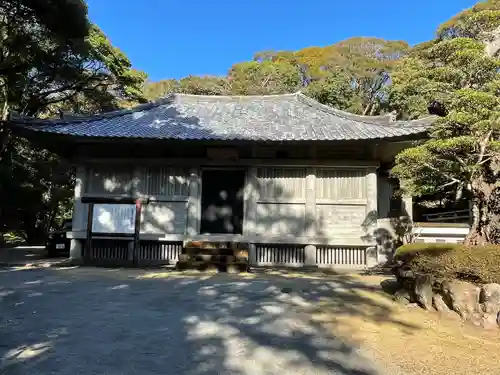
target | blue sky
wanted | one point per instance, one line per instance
(172, 38)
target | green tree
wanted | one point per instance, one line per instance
(476, 22)
(51, 59)
(462, 153)
(335, 90)
(156, 90)
(205, 85)
(369, 63)
(26, 26)
(365, 63)
(262, 78)
(351, 75)
(39, 187)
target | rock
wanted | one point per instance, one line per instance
(423, 290)
(476, 318)
(403, 272)
(405, 278)
(390, 286)
(437, 285)
(489, 298)
(402, 296)
(489, 321)
(439, 304)
(484, 320)
(462, 296)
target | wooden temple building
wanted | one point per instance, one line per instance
(294, 181)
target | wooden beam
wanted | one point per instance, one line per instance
(335, 163)
(113, 200)
(107, 235)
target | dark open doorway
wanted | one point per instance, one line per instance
(222, 201)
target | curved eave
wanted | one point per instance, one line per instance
(31, 133)
(270, 118)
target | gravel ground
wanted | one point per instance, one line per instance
(98, 321)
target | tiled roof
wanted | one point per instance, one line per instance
(288, 117)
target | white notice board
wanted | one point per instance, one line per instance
(113, 218)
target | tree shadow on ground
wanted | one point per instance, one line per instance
(117, 321)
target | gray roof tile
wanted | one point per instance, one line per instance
(288, 117)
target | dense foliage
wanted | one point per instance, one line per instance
(463, 152)
(352, 75)
(52, 59)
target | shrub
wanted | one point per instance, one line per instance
(478, 264)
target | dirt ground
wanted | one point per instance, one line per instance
(132, 322)
(417, 341)
(116, 321)
(405, 339)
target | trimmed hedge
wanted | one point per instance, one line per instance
(477, 264)
(412, 249)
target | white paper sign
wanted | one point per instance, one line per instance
(113, 218)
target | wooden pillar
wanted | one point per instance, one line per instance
(138, 173)
(250, 198)
(137, 230)
(385, 193)
(310, 219)
(373, 257)
(407, 206)
(372, 194)
(79, 212)
(90, 220)
(194, 202)
(249, 224)
(76, 250)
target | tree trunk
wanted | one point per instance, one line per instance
(368, 108)
(4, 140)
(485, 216)
(4, 115)
(477, 234)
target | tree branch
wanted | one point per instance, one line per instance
(483, 144)
(266, 81)
(450, 184)
(461, 161)
(453, 179)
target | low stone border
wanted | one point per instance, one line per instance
(478, 304)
